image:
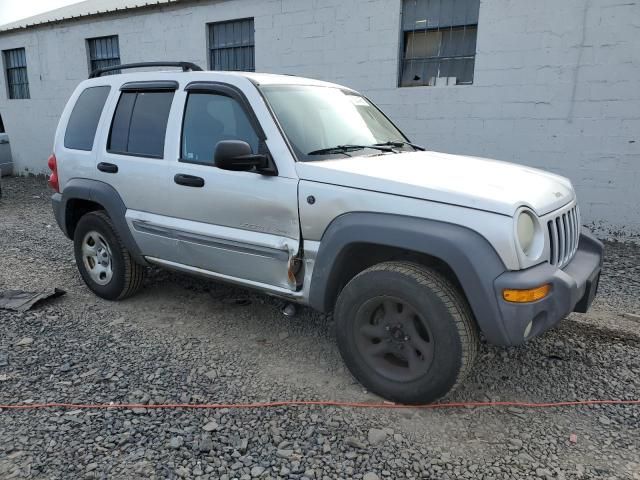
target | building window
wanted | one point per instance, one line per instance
(103, 52)
(15, 62)
(231, 45)
(438, 42)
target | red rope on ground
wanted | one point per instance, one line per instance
(323, 403)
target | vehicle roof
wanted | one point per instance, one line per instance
(211, 75)
(278, 79)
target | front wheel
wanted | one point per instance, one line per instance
(103, 261)
(405, 332)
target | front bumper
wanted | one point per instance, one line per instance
(573, 288)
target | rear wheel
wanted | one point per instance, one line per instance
(405, 332)
(103, 261)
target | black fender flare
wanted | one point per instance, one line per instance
(469, 255)
(104, 195)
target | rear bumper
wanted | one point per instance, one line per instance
(573, 289)
(6, 169)
(58, 211)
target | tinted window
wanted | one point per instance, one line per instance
(120, 125)
(84, 118)
(210, 118)
(140, 123)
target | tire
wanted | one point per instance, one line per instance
(115, 275)
(405, 332)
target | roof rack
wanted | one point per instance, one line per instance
(186, 67)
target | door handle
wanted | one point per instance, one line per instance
(108, 167)
(188, 180)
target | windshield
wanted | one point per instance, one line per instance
(326, 122)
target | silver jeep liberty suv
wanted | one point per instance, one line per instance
(305, 190)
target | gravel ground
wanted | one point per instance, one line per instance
(188, 340)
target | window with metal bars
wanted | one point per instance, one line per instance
(103, 52)
(438, 42)
(231, 45)
(15, 62)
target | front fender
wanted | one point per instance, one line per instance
(473, 260)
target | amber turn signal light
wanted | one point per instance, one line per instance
(528, 295)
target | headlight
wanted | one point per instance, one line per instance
(526, 231)
(529, 233)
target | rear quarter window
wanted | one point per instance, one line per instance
(83, 122)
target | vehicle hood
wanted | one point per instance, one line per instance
(473, 182)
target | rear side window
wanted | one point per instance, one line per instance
(140, 124)
(83, 122)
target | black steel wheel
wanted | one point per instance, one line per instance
(393, 338)
(405, 332)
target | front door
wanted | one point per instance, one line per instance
(240, 225)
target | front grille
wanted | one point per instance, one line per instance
(564, 234)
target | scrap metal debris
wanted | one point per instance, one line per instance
(21, 301)
(631, 316)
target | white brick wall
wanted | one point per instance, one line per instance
(557, 84)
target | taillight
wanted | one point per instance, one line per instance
(53, 178)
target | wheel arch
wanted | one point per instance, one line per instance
(81, 196)
(75, 209)
(356, 241)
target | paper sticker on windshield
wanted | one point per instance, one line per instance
(359, 101)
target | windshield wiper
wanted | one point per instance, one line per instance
(400, 143)
(349, 148)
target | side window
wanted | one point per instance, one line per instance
(210, 118)
(83, 122)
(140, 124)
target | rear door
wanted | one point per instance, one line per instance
(133, 161)
(239, 225)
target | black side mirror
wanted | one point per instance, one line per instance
(236, 155)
